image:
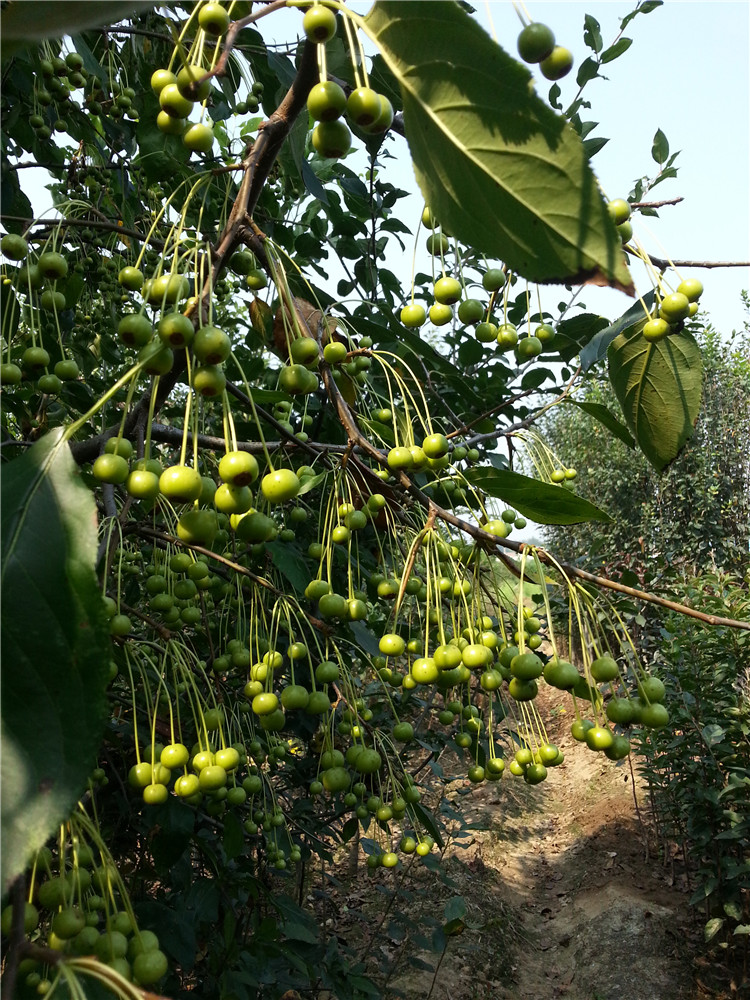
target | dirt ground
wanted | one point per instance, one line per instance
(563, 897)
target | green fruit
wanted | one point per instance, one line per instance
(52, 266)
(619, 210)
(447, 291)
(493, 280)
(598, 738)
(181, 483)
(557, 64)
(198, 138)
(213, 19)
(135, 330)
(535, 42)
(111, 469)
(470, 311)
(280, 485)
(14, 247)
(363, 106)
(173, 103)
(656, 329)
(604, 668)
(440, 314)
(319, 24)
(437, 244)
(561, 674)
(528, 347)
(413, 315)
(331, 139)
(674, 307)
(326, 101)
(211, 346)
(189, 86)
(691, 288)
(651, 689)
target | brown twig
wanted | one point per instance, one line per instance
(657, 204)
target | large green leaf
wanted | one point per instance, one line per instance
(542, 502)
(55, 647)
(605, 417)
(658, 386)
(633, 320)
(498, 167)
(23, 23)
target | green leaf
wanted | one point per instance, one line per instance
(660, 148)
(644, 8)
(634, 318)
(571, 335)
(658, 386)
(545, 503)
(55, 646)
(588, 70)
(498, 167)
(592, 36)
(712, 928)
(620, 47)
(455, 908)
(22, 23)
(234, 836)
(605, 416)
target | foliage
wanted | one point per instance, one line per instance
(302, 563)
(693, 516)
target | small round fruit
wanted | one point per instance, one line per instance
(604, 668)
(160, 78)
(213, 19)
(238, 468)
(507, 336)
(363, 106)
(50, 385)
(331, 139)
(149, 967)
(528, 347)
(10, 374)
(198, 138)
(413, 315)
(674, 307)
(209, 380)
(173, 103)
(535, 42)
(470, 311)
(493, 279)
(486, 333)
(651, 689)
(654, 716)
(447, 291)
(280, 485)
(211, 346)
(131, 278)
(598, 738)
(135, 330)
(319, 24)
(181, 483)
(440, 314)
(435, 445)
(142, 485)
(437, 244)
(52, 266)
(326, 101)
(656, 329)
(691, 288)
(557, 64)
(626, 232)
(111, 469)
(189, 85)
(169, 125)
(14, 247)
(619, 210)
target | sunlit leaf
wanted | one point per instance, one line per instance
(545, 503)
(658, 386)
(498, 167)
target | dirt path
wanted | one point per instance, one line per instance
(562, 901)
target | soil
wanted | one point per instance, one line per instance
(563, 897)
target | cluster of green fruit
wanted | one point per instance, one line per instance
(72, 913)
(178, 92)
(40, 277)
(536, 45)
(449, 292)
(327, 101)
(673, 309)
(53, 93)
